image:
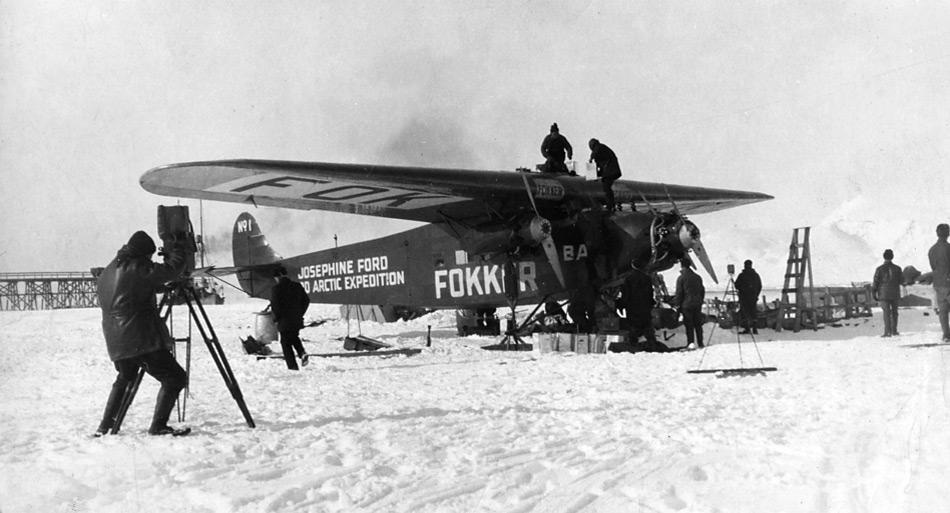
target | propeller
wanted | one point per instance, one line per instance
(539, 229)
(689, 236)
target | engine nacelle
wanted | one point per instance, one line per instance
(535, 231)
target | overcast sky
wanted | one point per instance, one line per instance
(813, 102)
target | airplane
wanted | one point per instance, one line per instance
(492, 238)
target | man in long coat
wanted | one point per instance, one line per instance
(748, 285)
(939, 255)
(136, 337)
(690, 294)
(886, 289)
(638, 301)
(288, 302)
(608, 169)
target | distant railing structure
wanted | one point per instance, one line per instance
(47, 290)
(831, 304)
(844, 302)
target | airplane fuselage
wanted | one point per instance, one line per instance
(429, 267)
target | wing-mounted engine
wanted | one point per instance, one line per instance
(522, 233)
(534, 231)
(656, 241)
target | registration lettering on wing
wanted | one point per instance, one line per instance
(548, 189)
(279, 185)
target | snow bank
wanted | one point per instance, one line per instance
(849, 422)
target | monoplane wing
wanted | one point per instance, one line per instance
(418, 193)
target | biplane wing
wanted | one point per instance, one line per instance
(418, 193)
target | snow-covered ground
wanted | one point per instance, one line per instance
(849, 422)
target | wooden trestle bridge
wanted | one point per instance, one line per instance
(47, 290)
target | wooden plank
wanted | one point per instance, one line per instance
(350, 354)
(385, 352)
(735, 371)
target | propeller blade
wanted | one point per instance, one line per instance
(547, 242)
(551, 251)
(700, 251)
(530, 195)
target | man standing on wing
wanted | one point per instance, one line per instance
(608, 169)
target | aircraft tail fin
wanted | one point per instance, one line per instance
(250, 249)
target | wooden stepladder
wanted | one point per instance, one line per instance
(794, 305)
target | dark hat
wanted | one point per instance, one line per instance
(280, 271)
(686, 262)
(140, 244)
(888, 254)
(554, 127)
(592, 143)
(748, 264)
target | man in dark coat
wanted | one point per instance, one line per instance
(690, 295)
(748, 285)
(939, 255)
(136, 337)
(581, 309)
(886, 289)
(608, 169)
(553, 148)
(288, 302)
(637, 300)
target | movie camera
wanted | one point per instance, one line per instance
(175, 229)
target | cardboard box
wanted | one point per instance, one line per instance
(545, 342)
(564, 342)
(582, 343)
(598, 344)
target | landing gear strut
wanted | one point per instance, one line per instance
(512, 340)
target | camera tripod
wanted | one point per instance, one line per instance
(185, 291)
(742, 370)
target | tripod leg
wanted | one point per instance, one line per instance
(183, 397)
(217, 353)
(127, 398)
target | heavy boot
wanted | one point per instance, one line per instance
(163, 409)
(112, 407)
